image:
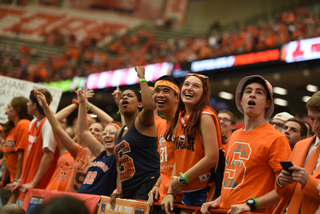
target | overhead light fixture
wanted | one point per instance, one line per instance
(280, 102)
(312, 88)
(279, 90)
(305, 98)
(226, 95)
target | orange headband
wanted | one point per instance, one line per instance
(114, 124)
(169, 84)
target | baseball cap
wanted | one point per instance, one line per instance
(241, 86)
(284, 116)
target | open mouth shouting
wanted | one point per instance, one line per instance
(251, 103)
(125, 103)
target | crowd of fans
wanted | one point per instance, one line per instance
(81, 59)
(142, 159)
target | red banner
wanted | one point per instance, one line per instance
(37, 197)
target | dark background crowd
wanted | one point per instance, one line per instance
(141, 47)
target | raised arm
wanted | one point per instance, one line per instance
(65, 139)
(65, 112)
(93, 144)
(103, 116)
(146, 115)
(116, 96)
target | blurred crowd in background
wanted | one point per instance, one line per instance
(85, 57)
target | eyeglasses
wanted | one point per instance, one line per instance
(280, 125)
(106, 132)
(224, 119)
(199, 76)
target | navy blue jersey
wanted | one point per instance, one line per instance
(138, 159)
(101, 176)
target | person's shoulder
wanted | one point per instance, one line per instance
(46, 122)
(79, 150)
(159, 121)
(33, 121)
(23, 122)
(163, 126)
(302, 143)
(208, 111)
(274, 133)
(271, 131)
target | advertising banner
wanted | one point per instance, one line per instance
(302, 50)
(123, 206)
(11, 87)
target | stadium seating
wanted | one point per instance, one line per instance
(91, 44)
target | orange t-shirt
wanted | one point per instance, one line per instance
(190, 152)
(158, 121)
(16, 139)
(167, 160)
(80, 168)
(252, 158)
(61, 175)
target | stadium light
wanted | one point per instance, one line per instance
(280, 102)
(305, 98)
(279, 90)
(312, 88)
(226, 95)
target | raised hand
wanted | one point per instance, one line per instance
(117, 95)
(140, 71)
(81, 93)
(40, 97)
(89, 93)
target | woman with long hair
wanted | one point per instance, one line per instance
(16, 137)
(197, 138)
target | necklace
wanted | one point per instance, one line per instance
(126, 128)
